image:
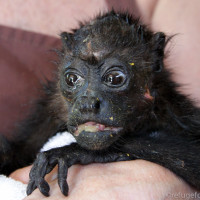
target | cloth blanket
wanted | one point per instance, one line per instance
(15, 190)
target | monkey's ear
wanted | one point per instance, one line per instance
(159, 44)
(67, 40)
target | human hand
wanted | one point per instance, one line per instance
(120, 180)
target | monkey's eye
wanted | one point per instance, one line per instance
(114, 78)
(73, 79)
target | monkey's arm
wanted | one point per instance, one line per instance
(176, 153)
(168, 152)
(66, 157)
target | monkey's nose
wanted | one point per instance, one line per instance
(89, 104)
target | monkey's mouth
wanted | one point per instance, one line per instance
(94, 127)
(95, 136)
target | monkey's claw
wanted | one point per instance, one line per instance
(62, 176)
(44, 163)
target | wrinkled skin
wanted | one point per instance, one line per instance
(118, 100)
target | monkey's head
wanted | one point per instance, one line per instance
(106, 78)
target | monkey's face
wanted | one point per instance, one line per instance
(104, 100)
(100, 100)
(104, 83)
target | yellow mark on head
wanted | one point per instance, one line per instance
(111, 118)
(85, 40)
(128, 154)
(132, 64)
(111, 135)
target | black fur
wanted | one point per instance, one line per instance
(147, 117)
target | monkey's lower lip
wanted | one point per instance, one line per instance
(95, 136)
(94, 127)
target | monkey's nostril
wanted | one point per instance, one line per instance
(90, 104)
(97, 105)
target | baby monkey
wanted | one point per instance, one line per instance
(114, 95)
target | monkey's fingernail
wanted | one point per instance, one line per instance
(31, 187)
(44, 188)
(64, 188)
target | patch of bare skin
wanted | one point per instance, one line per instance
(89, 47)
(91, 52)
(147, 95)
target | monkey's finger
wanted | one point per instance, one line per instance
(62, 176)
(40, 172)
(32, 184)
(52, 162)
(33, 170)
(43, 186)
(31, 187)
(41, 158)
(50, 167)
(42, 164)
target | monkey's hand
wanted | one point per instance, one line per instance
(65, 157)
